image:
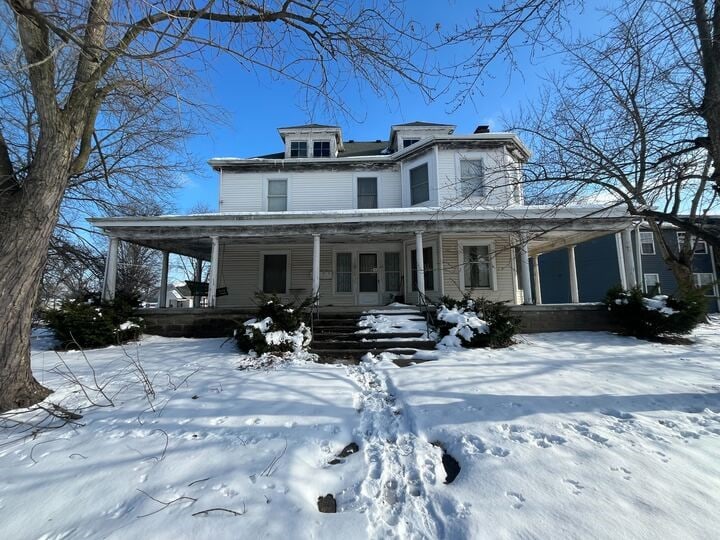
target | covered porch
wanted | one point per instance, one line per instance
(351, 260)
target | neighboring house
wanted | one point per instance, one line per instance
(422, 214)
(600, 264)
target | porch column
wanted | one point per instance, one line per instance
(572, 270)
(316, 268)
(108, 292)
(214, 261)
(628, 258)
(420, 264)
(197, 277)
(525, 270)
(162, 297)
(536, 279)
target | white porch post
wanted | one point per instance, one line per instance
(197, 277)
(316, 268)
(536, 279)
(628, 258)
(108, 292)
(162, 297)
(572, 270)
(420, 264)
(525, 270)
(214, 261)
(638, 259)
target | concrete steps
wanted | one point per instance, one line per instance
(335, 339)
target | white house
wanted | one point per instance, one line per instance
(365, 223)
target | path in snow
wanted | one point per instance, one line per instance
(401, 468)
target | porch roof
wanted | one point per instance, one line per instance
(548, 228)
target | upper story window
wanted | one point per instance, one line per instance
(472, 178)
(367, 192)
(298, 149)
(647, 243)
(408, 142)
(277, 195)
(321, 148)
(700, 245)
(419, 185)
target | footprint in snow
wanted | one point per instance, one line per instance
(622, 470)
(620, 415)
(516, 497)
(545, 440)
(576, 486)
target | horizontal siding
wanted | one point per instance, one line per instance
(497, 179)
(504, 269)
(329, 190)
(239, 271)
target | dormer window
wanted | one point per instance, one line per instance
(408, 142)
(298, 149)
(321, 149)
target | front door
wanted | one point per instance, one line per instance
(368, 279)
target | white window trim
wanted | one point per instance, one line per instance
(652, 241)
(713, 282)
(352, 272)
(696, 241)
(472, 156)
(429, 200)
(402, 146)
(288, 266)
(461, 263)
(311, 148)
(307, 148)
(355, 188)
(657, 277)
(266, 189)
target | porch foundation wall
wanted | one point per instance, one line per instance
(564, 318)
(221, 322)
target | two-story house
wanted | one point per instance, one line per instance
(421, 214)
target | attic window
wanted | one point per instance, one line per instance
(408, 142)
(298, 149)
(321, 149)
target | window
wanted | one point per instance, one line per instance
(419, 185)
(476, 267)
(277, 195)
(392, 271)
(275, 273)
(367, 196)
(472, 178)
(343, 272)
(298, 149)
(368, 272)
(700, 245)
(427, 266)
(647, 245)
(321, 149)
(408, 142)
(705, 280)
(652, 284)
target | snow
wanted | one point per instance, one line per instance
(393, 318)
(659, 303)
(569, 435)
(127, 325)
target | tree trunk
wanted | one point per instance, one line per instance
(27, 218)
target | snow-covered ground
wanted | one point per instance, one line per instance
(567, 435)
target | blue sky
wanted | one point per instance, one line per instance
(255, 106)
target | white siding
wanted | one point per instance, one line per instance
(330, 190)
(499, 177)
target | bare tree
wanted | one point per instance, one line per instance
(664, 108)
(120, 60)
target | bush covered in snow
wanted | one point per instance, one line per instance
(278, 327)
(475, 323)
(650, 317)
(88, 323)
